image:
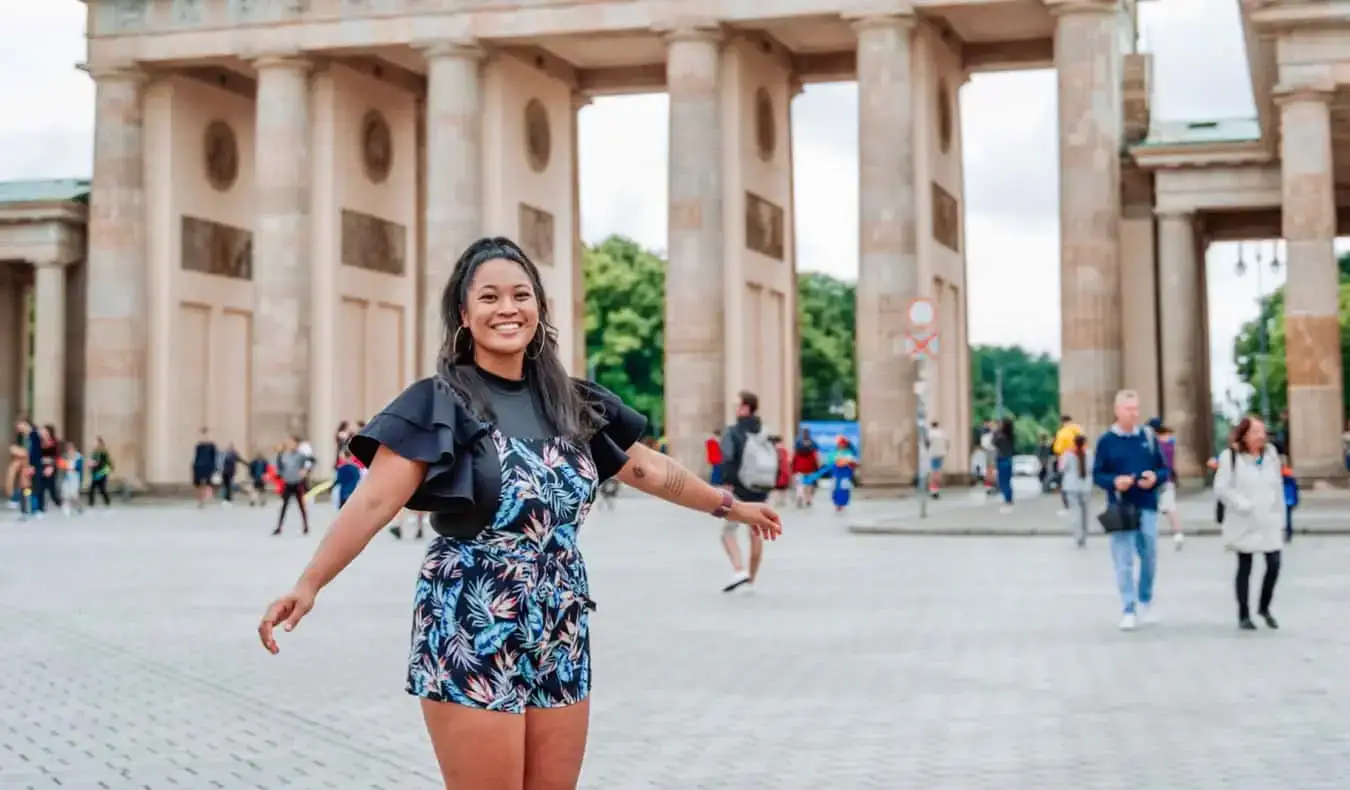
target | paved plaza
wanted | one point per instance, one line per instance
(128, 659)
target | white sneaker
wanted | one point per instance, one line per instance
(738, 579)
(1146, 614)
(1178, 540)
(1127, 622)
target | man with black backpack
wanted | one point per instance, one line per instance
(749, 471)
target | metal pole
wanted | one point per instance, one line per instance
(921, 409)
(1264, 340)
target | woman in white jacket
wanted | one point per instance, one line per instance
(1249, 484)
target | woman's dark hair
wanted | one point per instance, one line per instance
(554, 392)
(1006, 427)
(1080, 450)
(1238, 439)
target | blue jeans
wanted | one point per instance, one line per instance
(1124, 545)
(1004, 468)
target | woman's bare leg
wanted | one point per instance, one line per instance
(555, 744)
(476, 749)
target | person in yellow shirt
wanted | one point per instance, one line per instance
(1068, 431)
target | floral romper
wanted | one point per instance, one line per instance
(500, 620)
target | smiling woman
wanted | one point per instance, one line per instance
(506, 452)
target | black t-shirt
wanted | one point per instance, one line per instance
(204, 456)
(429, 423)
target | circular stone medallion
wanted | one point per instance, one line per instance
(766, 133)
(220, 150)
(944, 116)
(377, 147)
(538, 136)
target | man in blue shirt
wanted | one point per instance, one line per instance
(1129, 465)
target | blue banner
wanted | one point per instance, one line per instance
(827, 432)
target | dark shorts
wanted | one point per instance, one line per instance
(201, 477)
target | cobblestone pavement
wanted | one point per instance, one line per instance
(128, 659)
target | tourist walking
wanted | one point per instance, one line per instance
(749, 472)
(1129, 466)
(204, 467)
(48, 478)
(1249, 486)
(938, 447)
(229, 468)
(257, 478)
(501, 633)
(1075, 482)
(1005, 446)
(1167, 492)
(293, 468)
(1063, 444)
(71, 468)
(805, 463)
(100, 469)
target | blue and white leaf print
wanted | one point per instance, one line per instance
(501, 621)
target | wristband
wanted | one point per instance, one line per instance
(725, 508)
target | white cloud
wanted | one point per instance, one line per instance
(1009, 133)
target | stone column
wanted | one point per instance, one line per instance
(49, 344)
(695, 370)
(281, 251)
(454, 178)
(1182, 371)
(118, 284)
(1312, 331)
(1088, 58)
(888, 265)
(579, 366)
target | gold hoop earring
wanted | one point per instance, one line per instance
(539, 333)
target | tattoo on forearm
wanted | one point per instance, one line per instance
(676, 478)
(638, 471)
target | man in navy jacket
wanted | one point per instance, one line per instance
(1129, 465)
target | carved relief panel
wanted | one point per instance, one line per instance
(214, 248)
(536, 234)
(766, 132)
(253, 11)
(377, 147)
(538, 136)
(373, 244)
(187, 13)
(764, 231)
(221, 155)
(111, 17)
(946, 219)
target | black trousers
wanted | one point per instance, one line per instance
(1243, 581)
(99, 485)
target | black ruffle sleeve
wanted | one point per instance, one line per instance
(621, 430)
(427, 423)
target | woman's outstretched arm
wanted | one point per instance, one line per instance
(391, 480)
(661, 476)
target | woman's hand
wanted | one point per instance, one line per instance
(763, 520)
(286, 611)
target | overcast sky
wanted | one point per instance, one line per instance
(1012, 222)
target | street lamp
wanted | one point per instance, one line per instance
(1263, 331)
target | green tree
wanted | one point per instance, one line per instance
(826, 318)
(1247, 347)
(625, 323)
(1030, 390)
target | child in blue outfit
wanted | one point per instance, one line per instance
(842, 466)
(346, 478)
(1290, 500)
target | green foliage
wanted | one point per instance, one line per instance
(625, 324)
(826, 317)
(1030, 391)
(1247, 347)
